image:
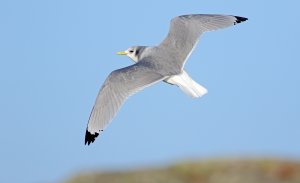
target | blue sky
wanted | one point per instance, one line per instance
(55, 56)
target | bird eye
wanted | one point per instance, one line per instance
(130, 51)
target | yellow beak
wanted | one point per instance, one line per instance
(121, 53)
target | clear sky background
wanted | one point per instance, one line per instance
(55, 55)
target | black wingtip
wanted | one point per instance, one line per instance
(240, 19)
(90, 138)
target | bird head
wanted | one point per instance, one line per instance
(134, 52)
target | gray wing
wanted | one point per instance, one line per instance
(185, 31)
(118, 86)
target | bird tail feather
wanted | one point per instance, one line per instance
(188, 85)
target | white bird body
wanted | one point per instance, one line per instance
(182, 80)
(164, 62)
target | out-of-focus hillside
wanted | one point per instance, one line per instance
(214, 171)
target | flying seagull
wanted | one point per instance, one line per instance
(164, 62)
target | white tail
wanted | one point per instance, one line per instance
(187, 85)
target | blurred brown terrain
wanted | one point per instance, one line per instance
(212, 171)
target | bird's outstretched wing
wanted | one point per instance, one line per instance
(119, 85)
(185, 31)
